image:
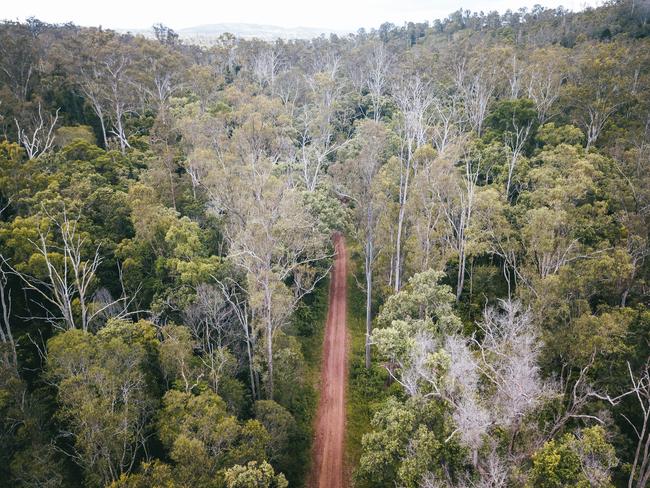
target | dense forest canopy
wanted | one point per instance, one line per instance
(166, 214)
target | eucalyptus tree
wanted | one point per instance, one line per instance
(275, 242)
(107, 66)
(37, 135)
(379, 66)
(413, 97)
(105, 390)
(272, 236)
(64, 288)
(456, 192)
(357, 178)
(318, 138)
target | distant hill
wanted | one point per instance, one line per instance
(205, 34)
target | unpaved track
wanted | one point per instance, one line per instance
(329, 442)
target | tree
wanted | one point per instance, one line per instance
(426, 246)
(457, 197)
(406, 445)
(37, 137)
(252, 476)
(277, 241)
(358, 179)
(9, 355)
(486, 384)
(161, 76)
(265, 67)
(583, 460)
(203, 439)
(105, 66)
(67, 277)
(318, 139)
(448, 119)
(273, 239)
(105, 391)
(414, 98)
(378, 70)
(600, 83)
(546, 72)
(514, 119)
(281, 427)
(640, 469)
(475, 85)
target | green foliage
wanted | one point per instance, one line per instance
(67, 135)
(254, 476)
(281, 427)
(408, 440)
(202, 438)
(579, 461)
(106, 395)
(367, 387)
(191, 165)
(331, 215)
(507, 116)
(424, 299)
(551, 135)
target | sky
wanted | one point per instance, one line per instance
(344, 15)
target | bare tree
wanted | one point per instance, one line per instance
(106, 76)
(545, 77)
(237, 298)
(289, 87)
(476, 90)
(414, 98)
(594, 119)
(317, 136)
(91, 88)
(447, 121)
(116, 68)
(209, 318)
(509, 352)
(379, 64)
(266, 64)
(427, 214)
(640, 470)
(9, 355)
(515, 78)
(457, 198)
(70, 279)
(161, 78)
(37, 137)
(515, 140)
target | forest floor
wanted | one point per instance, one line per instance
(329, 438)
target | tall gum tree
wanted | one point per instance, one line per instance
(357, 178)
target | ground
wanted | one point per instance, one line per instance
(329, 441)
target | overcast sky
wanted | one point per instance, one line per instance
(334, 14)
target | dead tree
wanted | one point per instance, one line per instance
(37, 137)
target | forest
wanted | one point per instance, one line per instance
(166, 253)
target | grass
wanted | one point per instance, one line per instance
(308, 327)
(366, 388)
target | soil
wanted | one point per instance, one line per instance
(329, 441)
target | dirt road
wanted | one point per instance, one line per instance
(329, 447)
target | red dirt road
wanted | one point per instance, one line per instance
(329, 442)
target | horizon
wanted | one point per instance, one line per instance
(286, 14)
